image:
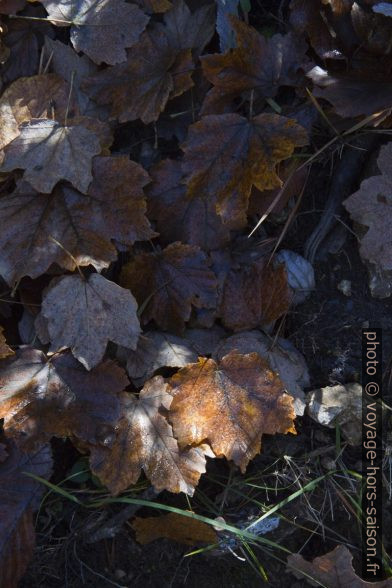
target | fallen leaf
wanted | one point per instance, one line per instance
(167, 284)
(11, 6)
(41, 398)
(20, 496)
(330, 570)
(227, 154)
(371, 206)
(254, 295)
(5, 351)
(256, 63)
(85, 314)
(43, 95)
(102, 29)
(152, 6)
(190, 218)
(175, 527)
(3, 452)
(283, 358)
(140, 88)
(50, 152)
(224, 25)
(229, 404)
(145, 441)
(189, 30)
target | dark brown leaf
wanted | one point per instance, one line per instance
(169, 283)
(189, 30)
(175, 527)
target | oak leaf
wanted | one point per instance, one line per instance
(50, 152)
(29, 98)
(190, 218)
(145, 442)
(84, 225)
(167, 284)
(371, 206)
(254, 295)
(20, 496)
(175, 527)
(256, 63)
(100, 28)
(140, 88)
(41, 398)
(227, 154)
(331, 570)
(230, 405)
(84, 314)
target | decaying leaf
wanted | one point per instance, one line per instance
(5, 351)
(331, 570)
(189, 30)
(281, 355)
(227, 154)
(167, 284)
(256, 63)
(254, 295)
(145, 441)
(100, 28)
(157, 349)
(371, 206)
(173, 526)
(20, 496)
(181, 216)
(229, 404)
(43, 96)
(50, 152)
(41, 398)
(84, 314)
(140, 88)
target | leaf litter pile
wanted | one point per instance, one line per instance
(154, 156)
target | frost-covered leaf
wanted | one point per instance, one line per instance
(145, 441)
(230, 405)
(85, 314)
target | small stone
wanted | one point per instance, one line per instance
(345, 287)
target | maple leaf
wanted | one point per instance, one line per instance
(229, 404)
(20, 496)
(331, 570)
(256, 63)
(84, 314)
(50, 152)
(5, 351)
(226, 154)
(41, 398)
(168, 283)
(145, 442)
(176, 527)
(186, 29)
(100, 28)
(83, 224)
(190, 218)
(254, 295)
(140, 88)
(371, 206)
(41, 95)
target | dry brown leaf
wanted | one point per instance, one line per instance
(50, 152)
(140, 88)
(256, 63)
(175, 527)
(145, 441)
(190, 218)
(371, 206)
(100, 28)
(5, 351)
(254, 295)
(41, 398)
(85, 314)
(229, 404)
(20, 496)
(331, 570)
(227, 154)
(43, 96)
(167, 284)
